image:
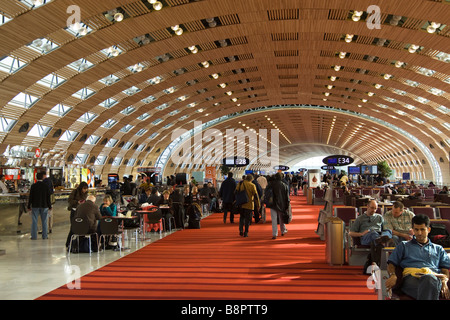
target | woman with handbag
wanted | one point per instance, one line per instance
(247, 200)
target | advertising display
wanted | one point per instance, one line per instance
(314, 178)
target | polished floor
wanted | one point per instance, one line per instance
(31, 268)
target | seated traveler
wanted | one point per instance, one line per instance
(369, 226)
(425, 264)
(399, 221)
(165, 204)
(108, 208)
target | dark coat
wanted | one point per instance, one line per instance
(280, 195)
(227, 189)
(39, 196)
(89, 211)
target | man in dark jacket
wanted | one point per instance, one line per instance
(226, 192)
(89, 211)
(39, 203)
(280, 204)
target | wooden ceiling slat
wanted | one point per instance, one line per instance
(13, 8)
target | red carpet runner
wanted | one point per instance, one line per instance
(214, 262)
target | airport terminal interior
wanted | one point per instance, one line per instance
(125, 96)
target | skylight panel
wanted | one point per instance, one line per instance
(80, 158)
(109, 80)
(128, 110)
(111, 143)
(149, 99)
(87, 117)
(429, 115)
(43, 45)
(411, 83)
(141, 132)
(51, 81)
(69, 136)
(109, 123)
(442, 109)
(92, 140)
(127, 145)
(81, 65)
(4, 19)
(163, 106)
(108, 103)
(443, 56)
(24, 100)
(79, 29)
(435, 130)
(144, 116)
(426, 72)
(10, 65)
(131, 162)
(39, 131)
(84, 93)
(131, 91)
(127, 128)
(422, 100)
(60, 110)
(436, 91)
(6, 124)
(117, 161)
(101, 160)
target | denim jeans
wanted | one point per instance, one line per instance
(370, 237)
(427, 287)
(35, 213)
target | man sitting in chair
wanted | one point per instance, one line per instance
(369, 226)
(425, 264)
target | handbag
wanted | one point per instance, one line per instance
(241, 196)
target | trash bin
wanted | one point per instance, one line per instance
(334, 241)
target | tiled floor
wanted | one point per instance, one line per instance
(31, 268)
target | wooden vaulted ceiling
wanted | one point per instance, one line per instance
(263, 53)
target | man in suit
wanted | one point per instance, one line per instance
(39, 203)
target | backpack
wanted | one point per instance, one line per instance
(439, 235)
(268, 197)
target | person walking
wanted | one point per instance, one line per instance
(247, 208)
(226, 192)
(39, 203)
(281, 202)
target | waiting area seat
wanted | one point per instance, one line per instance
(356, 252)
(318, 196)
(444, 212)
(109, 227)
(80, 230)
(428, 211)
(346, 213)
